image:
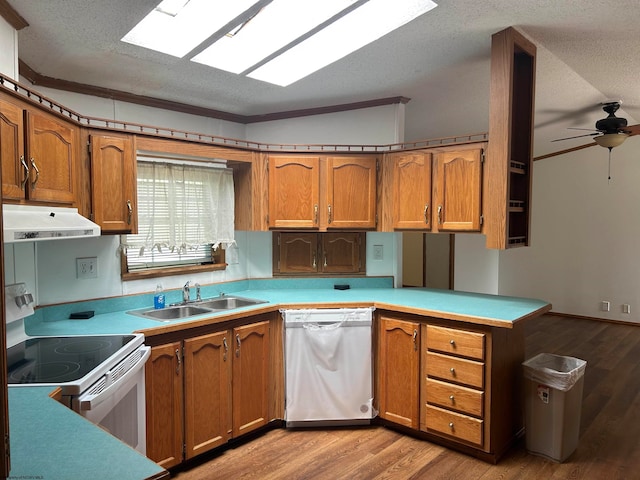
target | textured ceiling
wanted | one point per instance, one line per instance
(587, 54)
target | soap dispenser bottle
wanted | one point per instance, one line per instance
(158, 298)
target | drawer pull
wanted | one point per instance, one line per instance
(452, 342)
(452, 370)
(451, 425)
(452, 398)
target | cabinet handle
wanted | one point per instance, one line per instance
(315, 263)
(130, 210)
(452, 370)
(415, 339)
(325, 260)
(226, 349)
(26, 172)
(452, 343)
(179, 361)
(315, 214)
(451, 425)
(439, 214)
(452, 398)
(35, 167)
(426, 212)
(329, 208)
(238, 344)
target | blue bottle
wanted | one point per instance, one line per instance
(158, 299)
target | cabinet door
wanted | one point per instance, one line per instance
(458, 192)
(342, 252)
(113, 183)
(207, 392)
(163, 390)
(398, 371)
(294, 184)
(351, 192)
(14, 169)
(412, 191)
(51, 149)
(250, 377)
(297, 253)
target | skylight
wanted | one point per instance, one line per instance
(278, 41)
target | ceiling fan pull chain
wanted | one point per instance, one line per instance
(609, 172)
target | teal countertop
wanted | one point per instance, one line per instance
(481, 309)
(52, 442)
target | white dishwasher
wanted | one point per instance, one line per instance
(328, 373)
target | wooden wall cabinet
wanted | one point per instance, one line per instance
(322, 193)
(398, 366)
(510, 152)
(225, 392)
(113, 183)
(437, 190)
(310, 253)
(39, 156)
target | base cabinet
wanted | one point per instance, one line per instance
(202, 391)
(450, 381)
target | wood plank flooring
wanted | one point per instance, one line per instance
(609, 444)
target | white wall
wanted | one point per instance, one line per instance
(475, 267)
(585, 234)
(9, 50)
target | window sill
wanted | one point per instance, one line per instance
(166, 272)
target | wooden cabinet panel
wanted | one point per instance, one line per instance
(51, 149)
(113, 181)
(454, 369)
(14, 171)
(458, 190)
(455, 342)
(163, 391)
(294, 183)
(305, 253)
(398, 371)
(411, 190)
(207, 391)
(250, 377)
(351, 192)
(455, 397)
(461, 427)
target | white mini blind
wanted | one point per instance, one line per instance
(181, 208)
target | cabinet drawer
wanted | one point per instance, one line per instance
(456, 342)
(454, 369)
(456, 397)
(454, 424)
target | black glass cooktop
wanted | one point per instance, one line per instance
(60, 359)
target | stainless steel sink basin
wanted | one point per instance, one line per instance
(171, 313)
(228, 303)
(208, 305)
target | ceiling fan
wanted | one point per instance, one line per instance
(610, 131)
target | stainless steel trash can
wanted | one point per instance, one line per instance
(553, 404)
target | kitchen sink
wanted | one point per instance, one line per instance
(208, 305)
(228, 303)
(171, 313)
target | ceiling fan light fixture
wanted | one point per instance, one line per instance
(611, 140)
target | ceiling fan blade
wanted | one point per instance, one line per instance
(632, 129)
(577, 136)
(586, 129)
(562, 152)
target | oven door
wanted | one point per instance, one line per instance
(117, 401)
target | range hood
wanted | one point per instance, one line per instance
(27, 223)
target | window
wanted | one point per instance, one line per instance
(185, 217)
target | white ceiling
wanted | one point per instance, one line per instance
(588, 52)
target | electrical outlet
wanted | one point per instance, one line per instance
(605, 306)
(378, 252)
(626, 308)
(87, 267)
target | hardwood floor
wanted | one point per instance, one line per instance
(609, 444)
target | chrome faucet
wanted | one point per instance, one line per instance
(185, 292)
(198, 297)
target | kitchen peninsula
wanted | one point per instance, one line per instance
(486, 339)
